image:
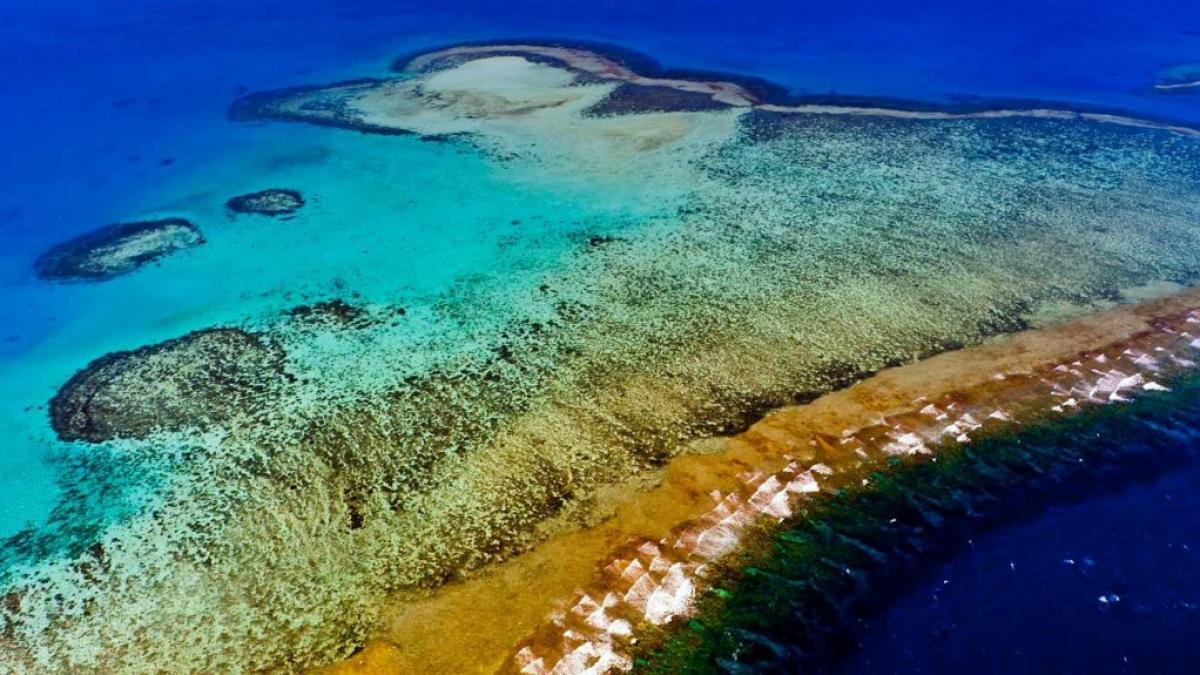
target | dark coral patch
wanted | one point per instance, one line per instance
(630, 98)
(335, 313)
(269, 202)
(117, 249)
(279, 105)
(205, 377)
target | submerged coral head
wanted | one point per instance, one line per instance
(269, 202)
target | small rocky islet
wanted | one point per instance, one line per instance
(269, 202)
(116, 249)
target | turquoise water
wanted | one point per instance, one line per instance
(391, 220)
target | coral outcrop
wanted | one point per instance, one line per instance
(269, 202)
(203, 377)
(117, 249)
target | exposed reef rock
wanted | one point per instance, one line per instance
(204, 377)
(506, 101)
(116, 249)
(470, 85)
(269, 202)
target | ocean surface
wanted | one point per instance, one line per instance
(1101, 586)
(1063, 546)
(118, 112)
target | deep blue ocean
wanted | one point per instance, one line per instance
(108, 103)
(1107, 585)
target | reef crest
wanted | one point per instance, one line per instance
(116, 249)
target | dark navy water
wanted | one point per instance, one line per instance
(107, 100)
(1108, 585)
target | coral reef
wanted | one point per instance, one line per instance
(654, 583)
(394, 106)
(336, 313)
(327, 109)
(1181, 78)
(202, 378)
(269, 202)
(788, 254)
(795, 600)
(117, 249)
(627, 99)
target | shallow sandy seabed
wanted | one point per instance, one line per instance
(788, 255)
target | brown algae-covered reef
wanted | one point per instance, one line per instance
(800, 253)
(117, 249)
(651, 583)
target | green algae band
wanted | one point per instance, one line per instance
(117, 249)
(203, 377)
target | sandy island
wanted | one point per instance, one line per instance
(772, 286)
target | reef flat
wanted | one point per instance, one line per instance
(654, 583)
(631, 574)
(376, 105)
(750, 258)
(117, 249)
